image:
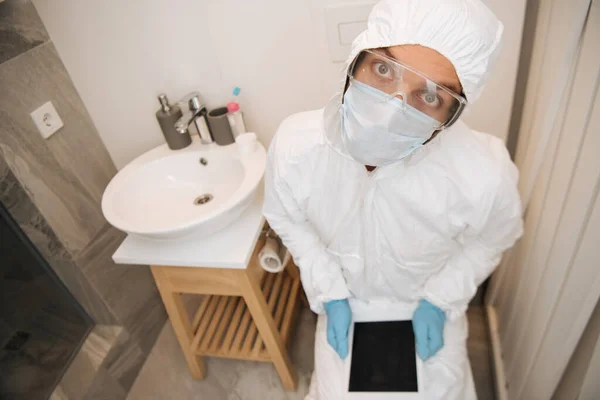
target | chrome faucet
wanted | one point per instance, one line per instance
(196, 115)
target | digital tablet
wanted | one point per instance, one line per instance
(382, 362)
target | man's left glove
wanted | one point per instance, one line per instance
(428, 325)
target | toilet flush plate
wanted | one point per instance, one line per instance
(372, 377)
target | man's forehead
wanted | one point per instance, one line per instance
(427, 61)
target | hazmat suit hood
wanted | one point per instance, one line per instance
(466, 32)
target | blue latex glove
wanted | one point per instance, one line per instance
(428, 325)
(339, 318)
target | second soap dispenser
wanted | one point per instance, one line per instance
(166, 117)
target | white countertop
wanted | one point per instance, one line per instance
(229, 248)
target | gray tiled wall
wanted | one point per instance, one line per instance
(21, 29)
(26, 214)
(65, 174)
(53, 188)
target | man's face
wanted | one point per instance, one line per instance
(375, 69)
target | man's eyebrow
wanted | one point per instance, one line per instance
(449, 84)
(389, 54)
(452, 86)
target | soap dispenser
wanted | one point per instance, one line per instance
(167, 116)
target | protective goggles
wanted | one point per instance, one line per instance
(376, 69)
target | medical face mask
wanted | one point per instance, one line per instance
(377, 129)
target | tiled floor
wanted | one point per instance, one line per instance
(165, 374)
(78, 378)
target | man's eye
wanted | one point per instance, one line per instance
(382, 69)
(430, 99)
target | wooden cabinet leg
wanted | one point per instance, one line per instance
(267, 328)
(181, 323)
(294, 272)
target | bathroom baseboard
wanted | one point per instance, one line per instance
(498, 363)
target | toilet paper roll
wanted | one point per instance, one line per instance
(273, 257)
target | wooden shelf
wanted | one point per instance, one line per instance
(223, 325)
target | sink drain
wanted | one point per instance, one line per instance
(205, 198)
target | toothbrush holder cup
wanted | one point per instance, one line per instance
(219, 126)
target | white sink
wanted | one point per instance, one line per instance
(168, 194)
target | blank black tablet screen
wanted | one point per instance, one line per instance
(383, 357)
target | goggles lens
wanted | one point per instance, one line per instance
(389, 76)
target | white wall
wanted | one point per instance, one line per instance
(548, 285)
(121, 54)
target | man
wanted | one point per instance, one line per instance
(386, 196)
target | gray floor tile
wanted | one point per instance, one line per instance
(125, 361)
(105, 387)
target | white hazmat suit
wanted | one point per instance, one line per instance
(431, 226)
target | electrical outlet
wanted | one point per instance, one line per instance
(47, 120)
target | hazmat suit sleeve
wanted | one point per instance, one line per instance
(321, 274)
(494, 226)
